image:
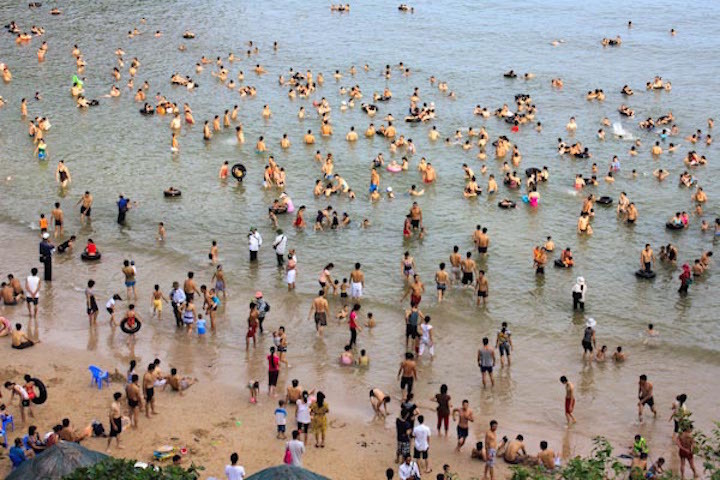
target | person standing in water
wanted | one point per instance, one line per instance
(569, 400)
(486, 361)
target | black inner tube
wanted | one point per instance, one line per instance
(645, 274)
(559, 263)
(604, 200)
(238, 172)
(124, 326)
(506, 205)
(172, 193)
(90, 258)
(41, 394)
(672, 226)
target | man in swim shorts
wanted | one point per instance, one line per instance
(149, 387)
(86, 208)
(115, 418)
(407, 372)
(320, 308)
(468, 267)
(491, 448)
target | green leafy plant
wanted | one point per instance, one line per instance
(116, 468)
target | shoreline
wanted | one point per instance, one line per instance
(213, 360)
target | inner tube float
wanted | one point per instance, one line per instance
(145, 112)
(559, 263)
(393, 169)
(532, 170)
(90, 258)
(673, 226)
(41, 392)
(605, 200)
(172, 193)
(93, 103)
(645, 274)
(127, 329)
(383, 99)
(411, 119)
(238, 172)
(502, 204)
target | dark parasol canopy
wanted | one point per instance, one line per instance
(286, 472)
(56, 462)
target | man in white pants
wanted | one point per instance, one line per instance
(426, 338)
(357, 282)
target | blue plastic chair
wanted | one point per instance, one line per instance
(8, 420)
(98, 375)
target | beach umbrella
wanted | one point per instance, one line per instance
(286, 472)
(56, 462)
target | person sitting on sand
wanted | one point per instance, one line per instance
(177, 383)
(20, 340)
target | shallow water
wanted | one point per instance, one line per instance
(112, 149)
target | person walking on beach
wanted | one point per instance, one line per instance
(569, 400)
(645, 396)
(443, 409)
(486, 361)
(421, 433)
(491, 449)
(320, 309)
(234, 471)
(407, 372)
(464, 415)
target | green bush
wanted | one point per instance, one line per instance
(116, 468)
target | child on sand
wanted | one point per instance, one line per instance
(281, 419)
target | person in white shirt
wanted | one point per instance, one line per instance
(280, 244)
(234, 471)
(32, 292)
(421, 434)
(254, 243)
(408, 470)
(297, 449)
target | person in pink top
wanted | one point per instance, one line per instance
(273, 371)
(354, 327)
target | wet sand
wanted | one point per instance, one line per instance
(526, 399)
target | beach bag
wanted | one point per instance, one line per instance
(288, 456)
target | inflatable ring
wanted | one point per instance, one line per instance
(559, 263)
(144, 112)
(673, 226)
(124, 327)
(532, 170)
(604, 201)
(645, 274)
(506, 205)
(238, 172)
(90, 258)
(172, 193)
(394, 169)
(41, 396)
(410, 119)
